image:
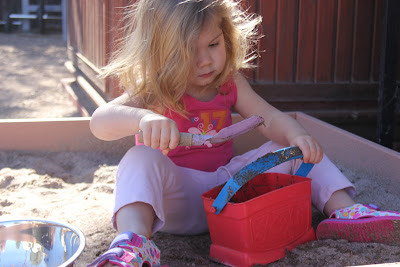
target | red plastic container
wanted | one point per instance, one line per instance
(267, 216)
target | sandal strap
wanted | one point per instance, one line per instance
(359, 211)
(114, 254)
(129, 248)
(372, 206)
(127, 237)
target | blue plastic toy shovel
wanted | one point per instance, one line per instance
(255, 168)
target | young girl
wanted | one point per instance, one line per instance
(179, 65)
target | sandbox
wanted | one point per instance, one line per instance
(86, 201)
(73, 134)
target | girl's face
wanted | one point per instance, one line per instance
(209, 56)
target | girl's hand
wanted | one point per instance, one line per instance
(311, 149)
(159, 132)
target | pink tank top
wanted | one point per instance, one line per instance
(205, 118)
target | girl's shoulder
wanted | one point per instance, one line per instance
(235, 82)
(228, 87)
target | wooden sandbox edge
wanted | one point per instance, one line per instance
(73, 134)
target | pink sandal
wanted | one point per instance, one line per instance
(129, 249)
(362, 223)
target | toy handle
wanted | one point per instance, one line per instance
(185, 140)
(255, 168)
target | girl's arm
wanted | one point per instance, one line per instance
(123, 117)
(279, 127)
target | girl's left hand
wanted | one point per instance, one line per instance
(311, 149)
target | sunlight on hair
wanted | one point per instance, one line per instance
(154, 60)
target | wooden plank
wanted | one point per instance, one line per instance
(104, 32)
(363, 40)
(286, 39)
(387, 89)
(63, 134)
(115, 26)
(376, 40)
(253, 6)
(100, 37)
(306, 41)
(317, 92)
(326, 28)
(344, 40)
(266, 71)
(90, 71)
(83, 27)
(358, 154)
(323, 100)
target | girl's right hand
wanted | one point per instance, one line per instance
(159, 132)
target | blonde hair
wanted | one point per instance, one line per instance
(154, 61)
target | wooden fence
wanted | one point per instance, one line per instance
(318, 56)
(94, 28)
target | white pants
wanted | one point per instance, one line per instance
(146, 175)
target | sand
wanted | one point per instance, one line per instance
(77, 187)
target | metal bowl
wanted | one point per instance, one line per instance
(37, 242)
